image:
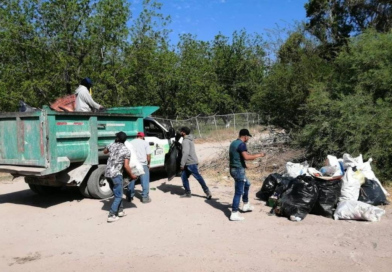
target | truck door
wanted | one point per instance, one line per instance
(155, 136)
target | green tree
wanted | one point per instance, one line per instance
(351, 112)
(334, 21)
(49, 46)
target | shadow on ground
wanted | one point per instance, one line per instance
(29, 198)
(178, 190)
(107, 203)
(224, 207)
(172, 189)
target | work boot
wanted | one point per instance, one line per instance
(146, 200)
(186, 195)
(247, 207)
(129, 198)
(235, 216)
(208, 195)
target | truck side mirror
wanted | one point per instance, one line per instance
(171, 133)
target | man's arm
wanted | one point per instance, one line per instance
(148, 160)
(248, 156)
(89, 101)
(148, 152)
(128, 169)
(185, 153)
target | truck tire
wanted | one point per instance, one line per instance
(84, 190)
(44, 190)
(97, 185)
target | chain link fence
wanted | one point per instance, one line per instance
(203, 126)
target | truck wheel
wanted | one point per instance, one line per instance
(97, 185)
(34, 188)
(84, 190)
(44, 190)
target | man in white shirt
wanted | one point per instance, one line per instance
(143, 154)
(84, 102)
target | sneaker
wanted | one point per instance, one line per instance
(146, 200)
(208, 194)
(121, 214)
(112, 218)
(235, 216)
(247, 207)
(129, 198)
(186, 195)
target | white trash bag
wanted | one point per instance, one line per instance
(294, 170)
(334, 162)
(357, 210)
(351, 184)
(349, 161)
(136, 166)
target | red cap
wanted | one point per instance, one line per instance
(140, 134)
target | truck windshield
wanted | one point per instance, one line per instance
(153, 130)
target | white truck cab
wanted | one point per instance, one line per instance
(159, 139)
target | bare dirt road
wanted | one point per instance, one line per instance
(66, 232)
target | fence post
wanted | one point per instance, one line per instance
(216, 128)
(247, 119)
(198, 128)
(234, 122)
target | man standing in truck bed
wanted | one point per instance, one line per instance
(84, 101)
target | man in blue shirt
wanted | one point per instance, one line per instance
(238, 155)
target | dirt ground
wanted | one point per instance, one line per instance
(66, 232)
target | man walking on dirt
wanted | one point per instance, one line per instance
(119, 156)
(238, 155)
(189, 164)
(143, 154)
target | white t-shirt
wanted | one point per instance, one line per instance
(142, 149)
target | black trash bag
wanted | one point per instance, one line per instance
(283, 185)
(173, 160)
(269, 186)
(299, 199)
(371, 193)
(328, 197)
(23, 107)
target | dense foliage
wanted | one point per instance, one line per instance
(329, 82)
(47, 47)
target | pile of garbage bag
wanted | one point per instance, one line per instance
(345, 188)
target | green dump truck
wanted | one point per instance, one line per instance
(54, 149)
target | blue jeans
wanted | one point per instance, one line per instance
(194, 171)
(118, 193)
(144, 181)
(242, 185)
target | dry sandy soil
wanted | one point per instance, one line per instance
(66, 232)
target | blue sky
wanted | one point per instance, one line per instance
(206, 18)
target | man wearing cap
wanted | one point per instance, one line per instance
(84, 101)
(238, 155)
(143, 154)
(189, 164)
(119, 157)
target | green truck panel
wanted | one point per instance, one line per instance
(50, 141)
